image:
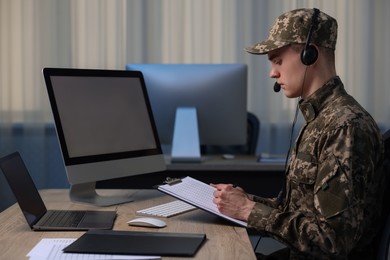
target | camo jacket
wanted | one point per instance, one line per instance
(333, 181)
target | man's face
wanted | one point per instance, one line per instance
(288, 70)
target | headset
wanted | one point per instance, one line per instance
(309, 54)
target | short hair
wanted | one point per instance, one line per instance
(328, 53)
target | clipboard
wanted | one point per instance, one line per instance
(137, 243)
(196, 193)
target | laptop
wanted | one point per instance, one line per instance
(34, 209)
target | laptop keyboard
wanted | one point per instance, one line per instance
(60, 218)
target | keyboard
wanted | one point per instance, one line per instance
(167, 210)
(63, 218)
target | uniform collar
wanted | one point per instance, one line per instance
(311, 106)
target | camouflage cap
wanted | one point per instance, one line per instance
(293, 27)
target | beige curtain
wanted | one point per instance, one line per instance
(110, 33)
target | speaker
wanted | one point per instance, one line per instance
(309, 54)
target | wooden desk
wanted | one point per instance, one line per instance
(224, 241)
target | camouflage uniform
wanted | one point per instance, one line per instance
(331, 193)
(329, 206)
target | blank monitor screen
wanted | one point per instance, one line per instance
(93, 125)
(104, 124)
(217, 91)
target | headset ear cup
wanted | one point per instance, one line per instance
(309, 55)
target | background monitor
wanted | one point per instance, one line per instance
(218, 92)
(105, 128)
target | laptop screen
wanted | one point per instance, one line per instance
(23, 187)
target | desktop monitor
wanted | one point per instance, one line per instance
(105, 128)
(205, 103)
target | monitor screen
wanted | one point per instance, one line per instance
(218, 92)
(104, 123)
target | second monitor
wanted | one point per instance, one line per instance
(215, 94)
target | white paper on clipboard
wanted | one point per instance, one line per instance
(196, 193)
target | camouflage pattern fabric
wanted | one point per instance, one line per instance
(293, 27)
(333, 181)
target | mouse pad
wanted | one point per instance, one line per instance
(137, 243)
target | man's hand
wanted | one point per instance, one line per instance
(232, 201)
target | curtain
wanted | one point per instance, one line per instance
(108, 34)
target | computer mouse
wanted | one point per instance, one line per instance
(147, 222)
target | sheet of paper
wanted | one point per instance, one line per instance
(196, 193)
(51, 248)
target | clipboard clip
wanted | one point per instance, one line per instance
(172, 181)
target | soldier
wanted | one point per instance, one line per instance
(331, 198)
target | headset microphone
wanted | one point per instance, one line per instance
(277, 87)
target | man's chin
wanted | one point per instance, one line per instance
(289, 94)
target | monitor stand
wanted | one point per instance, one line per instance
(185, 144)
(86, 193)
